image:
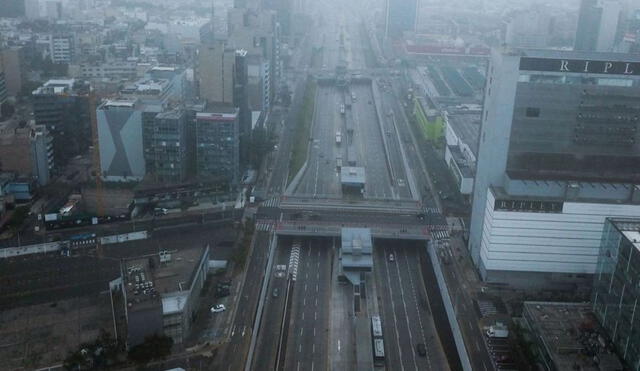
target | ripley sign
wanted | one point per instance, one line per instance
(579, 66)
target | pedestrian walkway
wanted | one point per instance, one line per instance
(272, 202)
(294, 259)
(264, 226)
(440, 235)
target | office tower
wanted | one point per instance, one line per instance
(615, 289)
(558, 152)
(63, 107)
(26, 149)
(215, 73)
(218, 145)
(598, 25)
(400, 16)
(61, 48)
(165, 149)
(11, 60)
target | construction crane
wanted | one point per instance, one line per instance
(96, 164)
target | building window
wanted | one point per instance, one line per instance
(533, 112)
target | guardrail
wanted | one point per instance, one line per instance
(338, 204)
(334, 229)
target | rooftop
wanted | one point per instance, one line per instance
(167, 274)
(571, 335)
(58, 87)
(467, 128)
(352, 175)
(630, 229)
(223, 115)
(572, 54)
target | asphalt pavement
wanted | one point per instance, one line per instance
(307, 345)
(406, 314)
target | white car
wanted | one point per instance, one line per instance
(218, 308)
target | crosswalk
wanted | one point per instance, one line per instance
(432, 210)
(272, 202)
(487, 308)
(440, 235)
(264, 226)
(294, 258)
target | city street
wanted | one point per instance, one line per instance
(406, 314)
(307, 343)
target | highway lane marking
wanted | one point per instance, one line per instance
(304, 301)
(316, 302)
(300, 348)
(301, 331)
(305, 287)
(406, 314)
(477, 346)
(315, 315)
(415, 300)
(316, 289)
(338, 345)
(393, 307)
(314, 332)
(303, 316)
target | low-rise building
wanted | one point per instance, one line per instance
(162, 293)
(569, 337)
(461, 134)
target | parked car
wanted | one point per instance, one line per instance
(391, 258)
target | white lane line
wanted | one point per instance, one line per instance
(313, 349)
(298, 366)
(338, 345)
(305, 287)
(415, 300)
(393, 308)
(314, 332)
(477, 346)
(315, 316)
(316, 302)
(303, 316)
(316, 287)
(301, 331)
(300, 348)
(406, 315)
(304, 301)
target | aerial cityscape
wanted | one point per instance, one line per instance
(297, 185)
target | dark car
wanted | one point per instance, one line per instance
(421, 349)
(276, 292)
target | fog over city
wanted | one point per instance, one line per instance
(299, 185)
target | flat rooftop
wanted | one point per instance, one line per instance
(467, 128)
(166, 274)
(352, 175)
(579, 55)
(568, 331)
(630, 229)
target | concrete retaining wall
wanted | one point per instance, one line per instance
(451, 315)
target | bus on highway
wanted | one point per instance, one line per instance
(378, 342)
(378, 352)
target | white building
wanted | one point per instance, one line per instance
(558, 153)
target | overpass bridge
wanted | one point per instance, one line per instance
(364, 205)
(333, 229)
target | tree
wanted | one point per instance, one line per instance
(154, 347)
(261, 145)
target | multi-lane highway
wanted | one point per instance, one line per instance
(307, 339)
(406, 314)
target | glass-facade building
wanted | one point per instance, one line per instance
(616, 287)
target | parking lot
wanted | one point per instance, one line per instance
(500, 352)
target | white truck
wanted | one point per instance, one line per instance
(338, 137)
(499, 331)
